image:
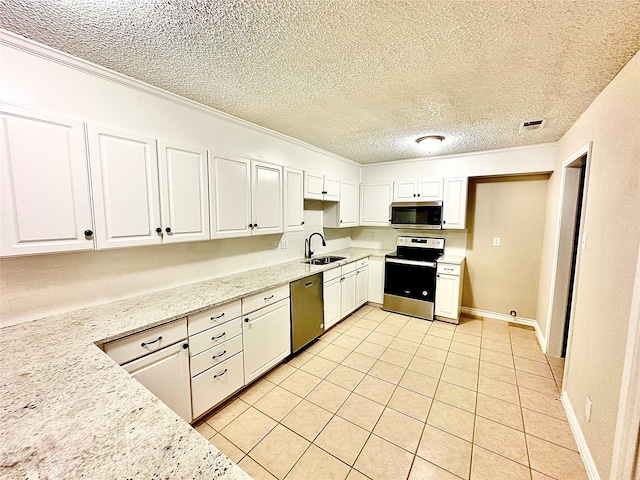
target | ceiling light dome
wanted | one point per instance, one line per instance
(430, 142)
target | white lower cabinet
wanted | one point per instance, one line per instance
(348, 294)
(449, 292)
(332, 291)
(159, 359)
(345, 289)
(362, 286)
(376, 280)
(215, 384)
(266, 336)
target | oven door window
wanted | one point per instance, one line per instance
(411, 281)
(416, 215)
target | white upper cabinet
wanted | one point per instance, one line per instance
(424, 190)
(45, 202)
(124, 177)
(246, 197)
(266, 190)
(343, 214)
(184, 193)
(230, 197)
(375, 199)
(454, 205)
(293, 200)
(321, 187)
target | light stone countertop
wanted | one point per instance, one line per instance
(69, 411)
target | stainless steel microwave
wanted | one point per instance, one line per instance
(417, 215)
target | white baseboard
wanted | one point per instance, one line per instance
(530, 322)
(589, 464)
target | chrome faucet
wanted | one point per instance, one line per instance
(307, 244)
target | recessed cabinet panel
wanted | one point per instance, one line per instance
(348, 297)
(266, 210)
(404, 191)
(454, 205)
(313, 186)
(430, 190)
(124, 173)
(332, 189)
(44, 182)
(293, 200)
(362, 286)
(332, 292)
(231, 197)
(184, 193)
(375, 200)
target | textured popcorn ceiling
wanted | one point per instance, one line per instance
(362, 79)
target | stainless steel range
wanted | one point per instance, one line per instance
(410, 276)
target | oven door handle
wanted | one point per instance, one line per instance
(411, 262)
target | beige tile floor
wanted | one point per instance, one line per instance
(384, 396)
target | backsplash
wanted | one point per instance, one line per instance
(455, 241)
(41, 285)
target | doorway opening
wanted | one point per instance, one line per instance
(569, 242)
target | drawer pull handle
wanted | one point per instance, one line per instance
(220, 374)
(448, 269)
(219, 316)
(219, 355)
(269, 297)
(219, 336)
(144, 344)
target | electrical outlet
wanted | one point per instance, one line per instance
(496, 241)
(283, 244)
(583, 244)
(372, 235)
(587, 409)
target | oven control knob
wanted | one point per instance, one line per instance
(425, 293)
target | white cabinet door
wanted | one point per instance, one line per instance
(375, 199)
(293, 200)
(447, 287)
(348, 297)
(430, 190)
(230, 180)
(332, 293)
(166, 374)
(44, 184)
(184, 193)
(266, 338)
(376, 280)
(348, 204)
(266, 194)
(331, 189)
(313, 186)
(454, 203)
(404, 191)
(362, 286)
(124, 178)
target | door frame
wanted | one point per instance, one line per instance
(626, 458)
(584, 151)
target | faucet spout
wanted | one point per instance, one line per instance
(307, 244)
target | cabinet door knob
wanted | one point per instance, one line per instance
(246, 320)
(418, 194)
(255, 225)
(324, 192)
(168, 229)
(158, 230)
(251, 225)
(302, 223)
(414, 194)
(88, 233)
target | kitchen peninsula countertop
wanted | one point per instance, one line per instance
(69, 411)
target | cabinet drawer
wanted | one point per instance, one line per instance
(139, 344)
(214, 336)
(259, 300)
(348, 268)
(331, 274)
(362, 263)
(214, 316)
(215, 355)
(215, 384)
(449, 268)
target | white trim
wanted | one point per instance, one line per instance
(585, 453)
(466, 155)
(530, 322)
(626, 438)
(45, 52)
(584, 150)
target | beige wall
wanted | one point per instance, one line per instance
(505, 278)
(607, 265)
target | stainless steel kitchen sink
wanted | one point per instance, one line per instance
(323, 260)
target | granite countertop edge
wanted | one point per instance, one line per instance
(69, 411)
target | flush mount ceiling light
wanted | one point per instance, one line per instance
(430, 142)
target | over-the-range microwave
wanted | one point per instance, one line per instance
(417, 215)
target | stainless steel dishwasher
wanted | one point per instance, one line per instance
(307, 311)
